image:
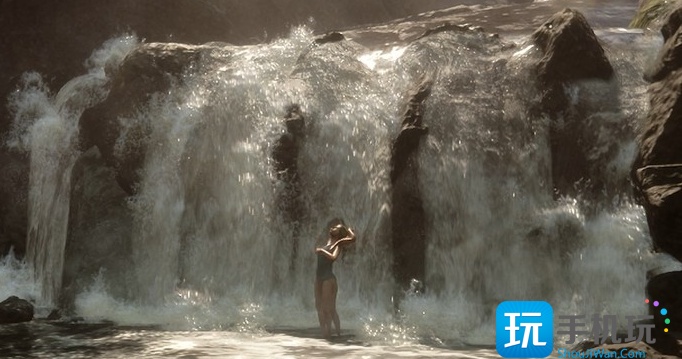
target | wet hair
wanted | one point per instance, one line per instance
(342, 231)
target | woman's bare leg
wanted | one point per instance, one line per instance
(329, 289)
(335, 315)
(327, 331)
(318, 306)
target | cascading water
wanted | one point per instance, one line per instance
(48, 128)
(494, 231)
(210, 250)
(205, 216)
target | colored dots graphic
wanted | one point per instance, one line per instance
(663, 312)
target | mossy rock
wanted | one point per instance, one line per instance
(651, 11)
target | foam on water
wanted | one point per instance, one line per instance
(16, 278)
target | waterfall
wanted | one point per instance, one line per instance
(47, 127)
(494, 231)
(206, 216)
(210, 249)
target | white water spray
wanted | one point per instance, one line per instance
(48, 127)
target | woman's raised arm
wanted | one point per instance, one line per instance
(350, 238)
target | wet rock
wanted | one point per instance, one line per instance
(672, 23)
(651, 13)
(114, 125)
(412, 130)
(657, 170)
(571, 51)
(451, 27)
(285, 157)
(14, 169)
(660, 190)
(15, 310)
(99, 231)
(571, 57)
(670, 56)
(407, 214)
(285, 150)
(330, 37)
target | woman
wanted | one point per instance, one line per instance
(325, 281)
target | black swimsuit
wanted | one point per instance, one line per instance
(324, 266)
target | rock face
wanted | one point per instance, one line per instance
(14, 169)
(100, 226)
(571, 55)
(660, 188)
(15, 310)
(657, 170)
(670, 56)
(146, 71)
(285, 156)
(407, 214)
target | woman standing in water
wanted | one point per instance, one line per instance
(325, 281)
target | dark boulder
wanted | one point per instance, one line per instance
(15, 310)
(571, 51)
(145, 72)
(571, 55)
(407, 213)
